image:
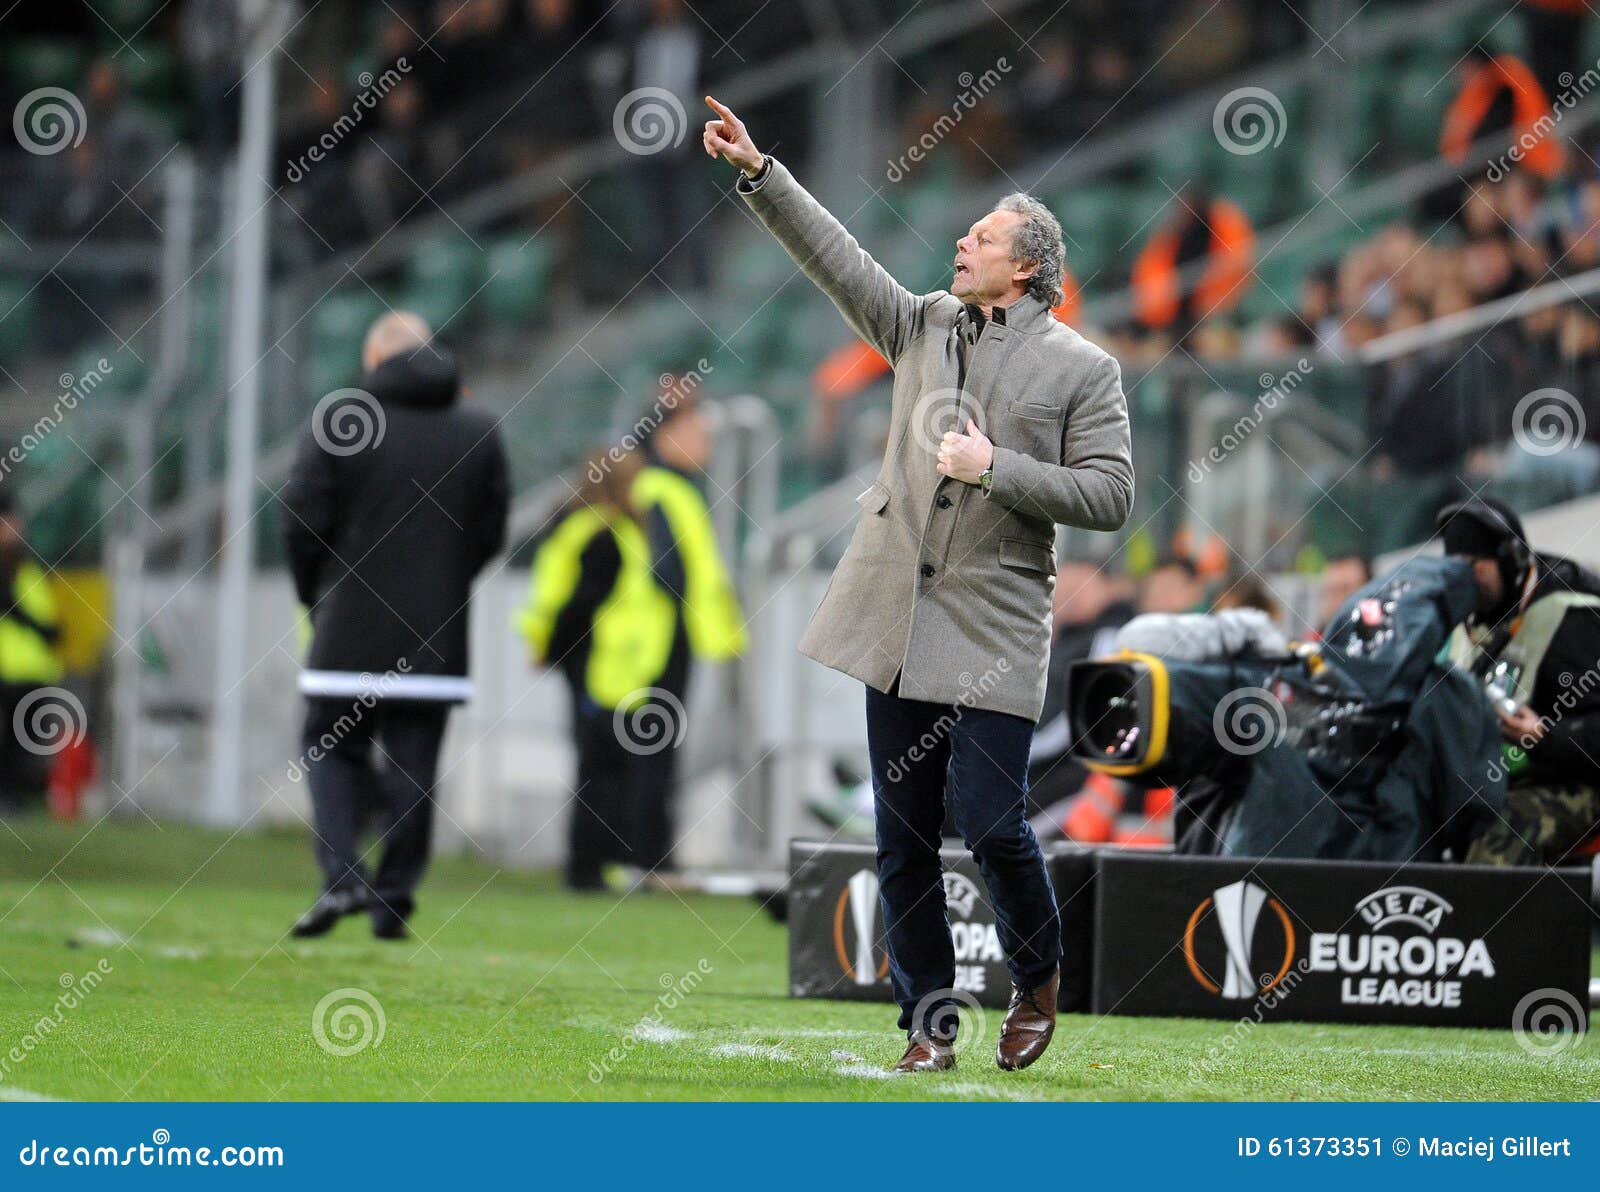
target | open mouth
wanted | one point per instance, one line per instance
(961, 269)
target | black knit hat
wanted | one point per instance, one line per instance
(1479, 529)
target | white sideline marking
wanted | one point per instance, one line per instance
(16, 1094)
(973, 1089)
(654, 1032)
(865, 1071)
(753, 1051)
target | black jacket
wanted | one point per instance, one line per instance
(384, 540)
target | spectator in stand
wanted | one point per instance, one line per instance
(1212, 234)
(128, 143)
(666, 56)
(1499, 93)
(1173, 586)
(209, 40)
(1555, 41)
(396, 164)
(1342, 576)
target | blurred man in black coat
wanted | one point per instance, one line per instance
(397, 500)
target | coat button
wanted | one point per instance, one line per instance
(944, 502)
(927, 571)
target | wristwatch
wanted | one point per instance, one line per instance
(986, 478)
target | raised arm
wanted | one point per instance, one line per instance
(880, 309)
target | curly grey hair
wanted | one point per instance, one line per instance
(1038, 238)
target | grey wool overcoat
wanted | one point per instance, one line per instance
(942, 585)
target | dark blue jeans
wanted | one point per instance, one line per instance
(920, 753)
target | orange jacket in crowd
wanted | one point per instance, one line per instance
(1529, 105)
(1157, 288)
(848, 370)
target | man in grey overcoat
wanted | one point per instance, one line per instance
(1005, 424)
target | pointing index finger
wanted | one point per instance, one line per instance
(721, 110)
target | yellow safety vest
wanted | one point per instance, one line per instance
(26, 656)
(711, 611)
(631, 635)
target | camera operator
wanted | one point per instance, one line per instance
(1534, 639)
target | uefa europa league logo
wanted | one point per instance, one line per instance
(1238, 909)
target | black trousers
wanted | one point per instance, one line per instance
(622, 806)
(373, 765)
(925, 756)
(24, 774)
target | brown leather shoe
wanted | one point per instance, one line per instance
(924, 1054)
(1030, 1023)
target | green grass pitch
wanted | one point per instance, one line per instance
(513, 989)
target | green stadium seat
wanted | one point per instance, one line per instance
(440, 278)
(1416, 108)
(19, 310)
(127, 17)
(150, 72)
(32, 62)
(518, 276)
(336, 329)
(1179, 158)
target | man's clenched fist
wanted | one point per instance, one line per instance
(965, 457)
(726, 137)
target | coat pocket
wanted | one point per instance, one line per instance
(1037, 411)
(1027, 556)
(874, 499)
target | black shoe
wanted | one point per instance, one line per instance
(388, 923)
(326, 911)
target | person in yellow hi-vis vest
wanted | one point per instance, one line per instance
(629, 585)
(29, 630)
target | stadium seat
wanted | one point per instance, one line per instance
(150, 72)
(1416, 107)
(441, 276)
(18, 310)
(32, 62)
(518, 273)
(336, 329)
(127, 17)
